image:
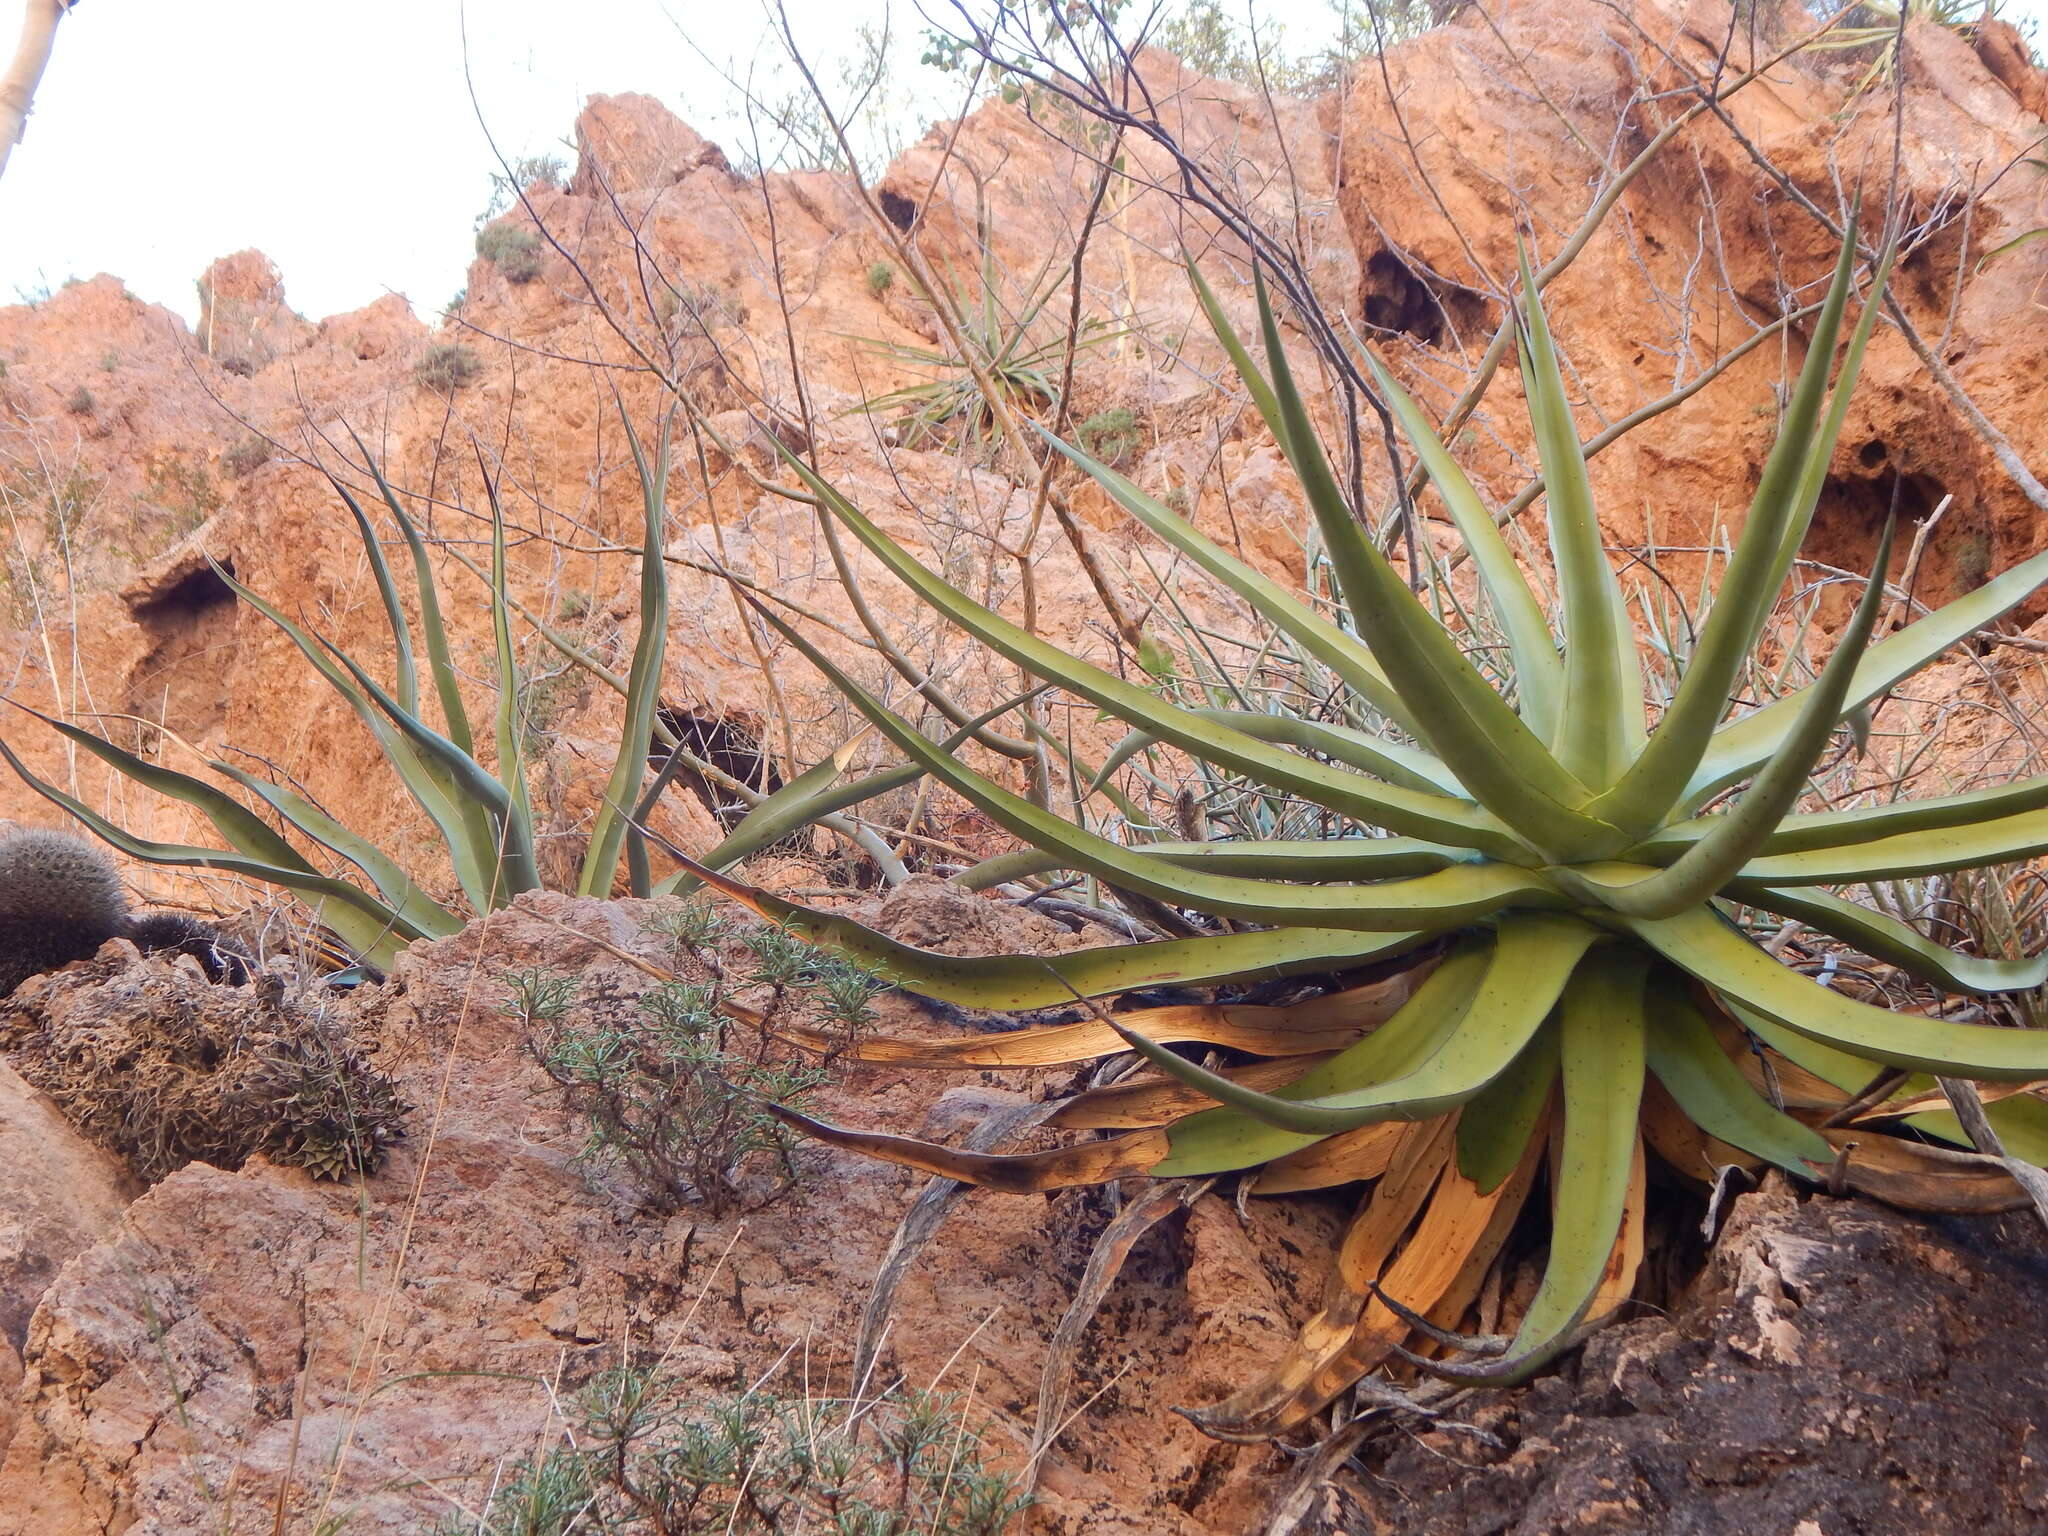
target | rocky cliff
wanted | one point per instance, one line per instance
(242, 1345)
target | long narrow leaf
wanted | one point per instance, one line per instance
(1012, 983)
(1602, 1043)
(1531, 962)
(1741, 831)
(643, 680)
(1885, 938)
(1446, 899)
(1656, 780)
(1600, 724)
(1437, 817)
(1706, 946)
(455, 719)
(431, 788)
(1539, 675)
(371, 929)
(1689, 1061)
(1495, 756)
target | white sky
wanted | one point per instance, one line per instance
(340, 139)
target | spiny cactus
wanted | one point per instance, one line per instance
(61, 899)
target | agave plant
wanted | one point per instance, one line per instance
(483, 817)
(1574, 877)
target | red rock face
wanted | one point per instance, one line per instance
(130, 446)
(632, 143)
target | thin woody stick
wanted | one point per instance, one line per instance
(31, 57)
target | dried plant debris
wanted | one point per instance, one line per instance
(162, 1069)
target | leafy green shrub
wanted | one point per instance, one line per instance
(640, 1456)
(516, 252)
(245, 457)
(1111, 437)
(660, 1087)
(881, 278)
(447, 367)
(1573, 878)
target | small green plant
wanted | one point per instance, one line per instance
(537, 998)
(1001, 344)
(516, 252)
(110, 361)
(690, 926)
(881, 278)
(642, 1454)
(245, 456)
(1111, 437)
(186, 491)
(528, 172)
(483, 816)
(1578, 882)
(80, 402)
(447, 367)
(662, 1095)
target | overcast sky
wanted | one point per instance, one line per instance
(341, 139)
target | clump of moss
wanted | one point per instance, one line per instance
(163, 1069)
(447, 367)
(245, 457)
(1112, 436)
(514, 251)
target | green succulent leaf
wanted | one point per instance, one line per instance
(1689, 1061)
(508, 849)
(1469, 726)
(1885, 938)
(392, 883)
(1741, 831)
(1532, 959)
(1539, 674)
(366, 925)
(511, 738)
(1600, 725)
(643, 679)
(1335, 648)
(1013, 983)
(1437, 817)
(1602, 1043)
(1710, 949)
(2005, 840)
(447, 686)
(1777, 521)
(1742, 744)
(1434, 902)
(1303, 861)
(460, 822)
(1220, 1140)
(1495, 1129)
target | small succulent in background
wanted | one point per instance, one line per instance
(1565, 886)
(483, 815)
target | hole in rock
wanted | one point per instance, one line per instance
(188, 619)
(898, 209)
(1396, 298)
(728, 743)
